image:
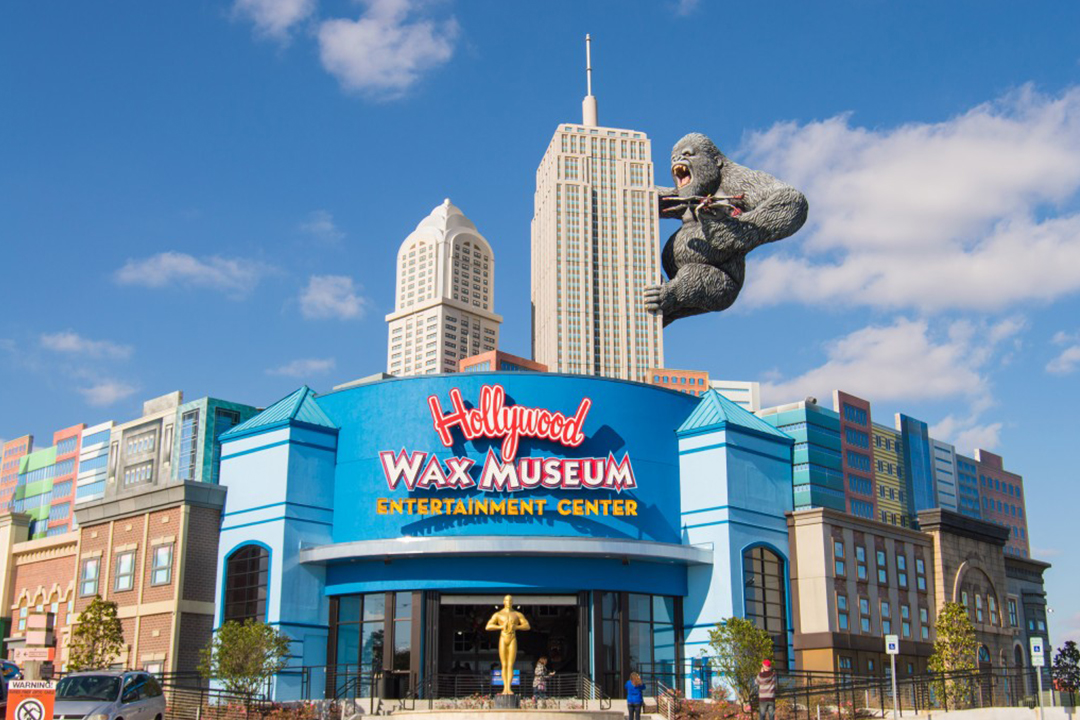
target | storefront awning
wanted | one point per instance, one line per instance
(503, 546)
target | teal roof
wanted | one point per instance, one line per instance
(300, 406)
(716, 412)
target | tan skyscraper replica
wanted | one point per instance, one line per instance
(444, 299)
(595, 247)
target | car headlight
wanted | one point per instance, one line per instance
(98, 716)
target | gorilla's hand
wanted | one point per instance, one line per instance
(658, 299)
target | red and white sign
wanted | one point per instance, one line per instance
(24, 654)
(30, 699)
(492, 418)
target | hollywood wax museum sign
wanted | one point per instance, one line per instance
(493, 419)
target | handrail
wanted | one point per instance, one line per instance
(667, 700)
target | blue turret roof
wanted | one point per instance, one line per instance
(716, 412)
(298, 407)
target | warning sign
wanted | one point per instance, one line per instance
(30, 700)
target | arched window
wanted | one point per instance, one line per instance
(765, 604)
(245, 584)
(1018, 656)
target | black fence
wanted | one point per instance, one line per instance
(835, 696)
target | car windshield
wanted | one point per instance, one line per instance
(88, 687)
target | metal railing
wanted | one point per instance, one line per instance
(668, 701)
(189, 697)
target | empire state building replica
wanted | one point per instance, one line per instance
(595, 247)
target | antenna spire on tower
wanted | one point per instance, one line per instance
(588, 105)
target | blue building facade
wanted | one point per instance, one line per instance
(381, 525)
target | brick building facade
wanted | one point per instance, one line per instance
(155, 559)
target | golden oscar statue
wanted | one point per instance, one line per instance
(508, 621)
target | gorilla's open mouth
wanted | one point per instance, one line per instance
(681, 173)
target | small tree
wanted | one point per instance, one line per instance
(1066, 668)
(244, 657)
(97, 639)
(739, 646)
(955, 650)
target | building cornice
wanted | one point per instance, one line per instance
(502, 546)
(195, 494)
(946, 521)
(826, 516)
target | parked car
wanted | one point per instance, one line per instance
(109, 695)
(10, 670)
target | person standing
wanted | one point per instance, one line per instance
(540, 676)
(766, 687)
(634, 698)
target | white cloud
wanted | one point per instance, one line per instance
(907, 360)
(236, 277)
(304, 368)
(274, 18)
(967, 433)
(332, 296)
(1045, 553)
(965, 213)
(320, 225)
(72, 342)
(686, 7)
(1068, 360)
(107, 392)
(386, 50)
(1070, 631)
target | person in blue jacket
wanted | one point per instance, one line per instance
(634, 700)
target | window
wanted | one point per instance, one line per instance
(138, 474)
(189, 445)
(1013, 619)
(920, 574)
(901, 571)
(67, 445)
(161, 570)
(991, 601)
(864, 615)
(964, 602)
(88, 583)
(141, 443)
(838, 557)
(23, 611)
(886, 618)
(882, 568)
(764, 576)
(860, 562)
(125, 571)
(978, 608)
(845, 663)
(246, 574)
(924, 622)
(842, 612)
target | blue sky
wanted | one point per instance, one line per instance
(209, 197)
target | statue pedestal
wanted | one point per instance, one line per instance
(506, 702)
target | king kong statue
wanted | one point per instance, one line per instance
(727, 210)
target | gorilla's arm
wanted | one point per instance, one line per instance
(774, 210)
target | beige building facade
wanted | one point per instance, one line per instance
(855, 580)
(595, 248)
(444, 297)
